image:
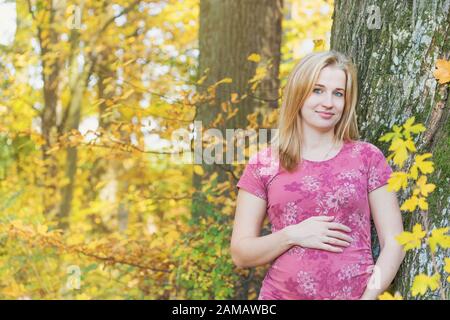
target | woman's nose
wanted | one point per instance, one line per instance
(328, 100)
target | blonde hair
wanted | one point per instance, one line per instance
(301, 81)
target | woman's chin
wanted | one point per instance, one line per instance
(323, 127)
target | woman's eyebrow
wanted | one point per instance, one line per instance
(321, 85)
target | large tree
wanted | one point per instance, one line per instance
(395, 45)
(230, 31)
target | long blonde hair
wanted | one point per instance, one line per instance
(301, 81)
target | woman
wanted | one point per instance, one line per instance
(320, 187)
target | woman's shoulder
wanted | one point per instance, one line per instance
(366, 150)
(263, 156)
(364, 145)
(265, 160)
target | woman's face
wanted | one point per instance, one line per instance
(323, 108)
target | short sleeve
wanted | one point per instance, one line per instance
(252, 182)
(379, 170)
(258, 172)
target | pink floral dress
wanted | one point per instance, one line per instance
(338, 186)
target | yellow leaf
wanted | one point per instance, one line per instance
(319, 45)
(423, 282)
(254, 57)
(224, 106)
(218, 120)
(410, 145)
(224, 80)
(213, 177)
(198, 170)
(232, 113)
(413, 239)
(422, 203)
(397, 134)
(127, 94)
(201, 80)
(400, 146)
(424, 187)
(387, 137)
(128, 62)
(260, 74)
(420, 163)
(387, 296)
(409, 122)
(439, 238)
(410, 204)
(53, 149)
(414, 172)
(409, 127)
(442, 73)
(398, 180)
(234, 98)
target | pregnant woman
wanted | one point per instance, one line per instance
(320, 186)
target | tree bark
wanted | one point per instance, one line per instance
(230, 31)
(396, 53)
(71, 121)
(47, 38)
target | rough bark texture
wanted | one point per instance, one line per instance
(230, 31)
(395, 64)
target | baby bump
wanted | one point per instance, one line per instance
(319, 274)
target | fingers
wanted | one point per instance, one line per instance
(336, 242)
(328, 247)
(339, 235)
(339, 226)
(323, 218)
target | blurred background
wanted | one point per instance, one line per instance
(103, 104)
(93, 205)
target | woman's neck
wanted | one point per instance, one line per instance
(318, 142)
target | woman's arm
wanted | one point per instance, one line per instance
(388, 222)
(247, 248)
(250, 250)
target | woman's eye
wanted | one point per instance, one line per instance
(339, 94)
(317, 90)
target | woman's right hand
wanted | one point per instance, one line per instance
(319, 232)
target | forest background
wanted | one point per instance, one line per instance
(102, 104)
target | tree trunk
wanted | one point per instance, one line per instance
(51, 69)
(395, 45)
(230, 31)
(71, 121)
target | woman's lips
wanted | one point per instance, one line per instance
(325, 115)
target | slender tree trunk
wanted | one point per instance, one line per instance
(48, 37)
(110, 169)
(395, 45)
(71, 121)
